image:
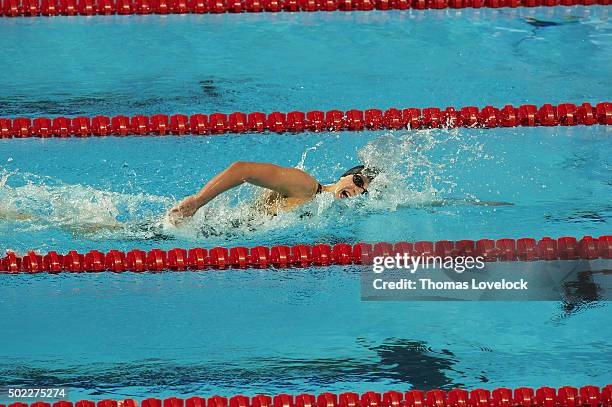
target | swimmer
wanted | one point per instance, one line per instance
(286, 188)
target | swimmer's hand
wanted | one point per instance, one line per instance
(183, 210)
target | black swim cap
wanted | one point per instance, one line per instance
(369, 173)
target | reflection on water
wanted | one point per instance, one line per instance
(402, 362)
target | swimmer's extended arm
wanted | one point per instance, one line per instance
(289, 182)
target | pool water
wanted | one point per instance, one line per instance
(249, 332)
(139, 335)
(557, 180)
(303, 61)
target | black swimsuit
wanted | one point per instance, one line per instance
(319, 189)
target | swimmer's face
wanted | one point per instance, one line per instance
(351, 185)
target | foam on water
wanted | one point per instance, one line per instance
(37, 202)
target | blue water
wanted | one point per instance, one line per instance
(249, 332)
(303, 61)
(558, 180)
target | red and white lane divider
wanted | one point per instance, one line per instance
(31, 8)
(567, 396)
(280, 256)
(565, 114)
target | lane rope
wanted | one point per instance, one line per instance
(566, 396)
(32, 8)
(565, 114)
(303, 255)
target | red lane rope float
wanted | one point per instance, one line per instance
(567, 396)
(565, 114)
(31, 8)
(219, 258)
